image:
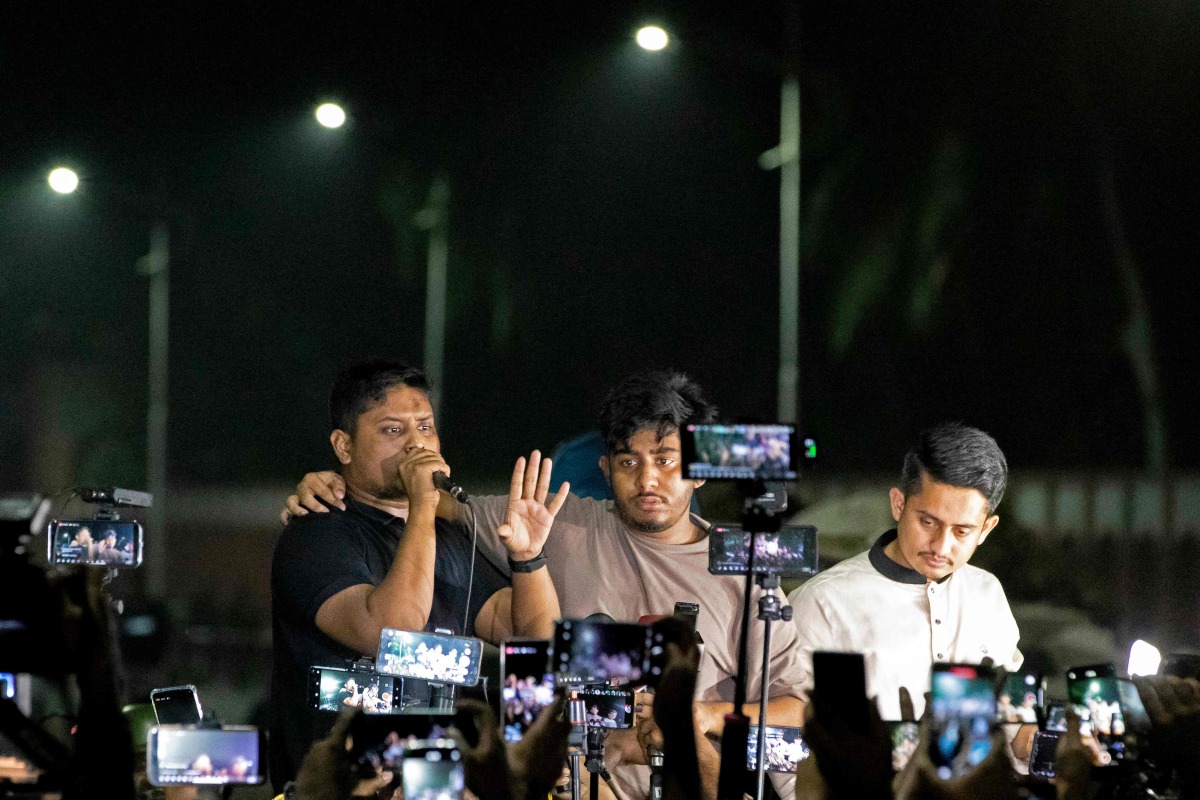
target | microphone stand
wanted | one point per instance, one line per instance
(593, 738)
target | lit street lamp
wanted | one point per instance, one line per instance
(652, 38)
(331, 115)
(63, 180)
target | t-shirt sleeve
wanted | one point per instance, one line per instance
(317, 556)
(490, 513)
(812, 630)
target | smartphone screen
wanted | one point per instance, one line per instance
(740, 452)
(905, 738)
(1041, 757)
(528, 685)
(433, 770)
(432, 657)
(600, 652)
(8, 685)
(181, 754)
(378, 743)
(785, 748)
(334, 688)
(602, 707)
(791, 551)
(96, 543)
(1020, 698)
(840, 689)
(963, 707)
(1094, 694)
(176, 705)
(1056, 717)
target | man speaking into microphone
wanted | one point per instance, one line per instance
(386, 560)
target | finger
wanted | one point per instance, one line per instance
(907, 712)
(336, 484)
(285, 516)
(1148, 690)
(341, 726)
(531, 471)
(514, 485)
(557, 502)
(505, 532)
(543, 480)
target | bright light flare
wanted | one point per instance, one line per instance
(331, 115)
(63, 180)
(1144, 659)
(652, 38)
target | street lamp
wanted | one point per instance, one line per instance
(786, 158)
(331, 115)
(63, 180)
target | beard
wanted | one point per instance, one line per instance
(391, 491)
(641, 526)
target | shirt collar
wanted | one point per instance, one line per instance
(888, 568)
(371, 513)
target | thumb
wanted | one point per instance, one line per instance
(505, 532)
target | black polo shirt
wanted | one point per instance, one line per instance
(319, 555)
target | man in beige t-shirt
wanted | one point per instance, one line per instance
(642, 552)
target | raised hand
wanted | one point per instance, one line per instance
(529, 518)
(312, 489)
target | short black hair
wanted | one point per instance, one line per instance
(365, 384)
(958, 455)
(662, 400)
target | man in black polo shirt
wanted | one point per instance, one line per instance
(338, 579)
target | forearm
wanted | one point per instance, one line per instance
(786, 711)
(405, 596)
(534, 604)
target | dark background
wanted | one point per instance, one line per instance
(607, 215)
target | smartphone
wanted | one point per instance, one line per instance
(177, 705)
(963, 706)
(740, 452)
(1093, 692)
(528, 684)
(95, 543)
(790, 552)
(602, 707)
(434, 657)
(1021, 698)
(378, 743)
(185, 754)
(906, 736)
(587, 651)
(335, 688)
(1042, 755)
(433, 770)
(688, 612)
(840, 689)
(785, 748)
(1056, 717)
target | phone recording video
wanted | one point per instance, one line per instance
(1020, 698)
(335, 688)
(790, 552)
(1043, 753)
(429, 657)
(177, 705)
(740, 452)
(378, 744)
(600, 652)
(784, 746)
(95, 543)
(963, 707)
(602, 707)
(1056, 717)
(181, 754)
(1095, 696)
(906, 736)
(433, 770)
(528, 685)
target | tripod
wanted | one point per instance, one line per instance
(770, 609)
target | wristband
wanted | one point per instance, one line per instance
(532, 565)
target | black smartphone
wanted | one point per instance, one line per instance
(185, 754)
(785, 748)
(1042, 755)
(527, 687)
(688, 612)
(1021, 698)
(335, 688)
(1093, 692)
(906, 737)
(602, 707)
(963, 707)
(177, 705)
(587, 651)
(432, 770)
(840, 689)
(434, 657)
(740, 452)
(790, 552)
(95, 543)
(378, 743)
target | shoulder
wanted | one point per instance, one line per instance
(978, 580)
(313, 533)
(830, 581)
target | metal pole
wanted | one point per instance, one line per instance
(156, 265)
(789, 251)
(434, 219)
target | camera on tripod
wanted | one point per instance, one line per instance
(104, 539)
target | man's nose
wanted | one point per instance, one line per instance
(648, 477)
(943, 543)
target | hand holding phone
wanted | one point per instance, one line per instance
(840, 690)
(963, 707)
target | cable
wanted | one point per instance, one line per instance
(471, 574)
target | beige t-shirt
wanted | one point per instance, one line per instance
(600, 565)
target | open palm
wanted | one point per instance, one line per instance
(529, 518)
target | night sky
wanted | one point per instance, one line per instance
(607, 214)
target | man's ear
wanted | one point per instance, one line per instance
(341, 445)
(604, 469)
(697, 483)
(897, 500)
(988, 524)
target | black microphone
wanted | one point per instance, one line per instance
(442, 481)
(599, 616)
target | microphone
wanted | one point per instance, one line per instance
(442, 481)
(599, 616)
